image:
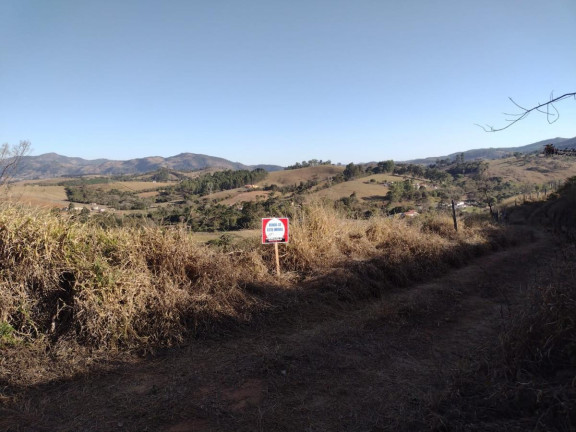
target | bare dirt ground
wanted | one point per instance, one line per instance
(368, 366)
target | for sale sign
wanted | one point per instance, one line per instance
(274, 230)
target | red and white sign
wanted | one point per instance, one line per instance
(274, 230)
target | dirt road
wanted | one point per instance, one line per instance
(370, 366)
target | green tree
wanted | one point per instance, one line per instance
(352, 171)
(162, 175)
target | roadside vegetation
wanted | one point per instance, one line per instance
(123, 288)
(527, 379)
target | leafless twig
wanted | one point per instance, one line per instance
(547, 108)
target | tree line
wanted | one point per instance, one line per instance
(306, 164)
(219, 181)
(114, 198)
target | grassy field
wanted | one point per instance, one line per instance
(363, 187)
(279, 178)
(533, 169)
(292, 177)
(132, 186)
(47, 195)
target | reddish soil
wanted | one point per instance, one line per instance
(371, 366)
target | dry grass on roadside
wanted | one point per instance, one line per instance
(528, 382)
(322, 238)
(143, 288)
(112, 288)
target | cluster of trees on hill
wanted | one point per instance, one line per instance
(404, 190)
(353, 171)
(472, 167)
(306, 164)
(550, 149)
(420, 171)
(119, 200)
(219, 181)
(431, 173)
(165, 174)
(204, 215)
(295, 188)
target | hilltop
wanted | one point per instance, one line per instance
(502, 152)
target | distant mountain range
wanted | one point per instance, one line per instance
(51, 165)
(498, 153)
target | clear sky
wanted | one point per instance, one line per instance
(278, 81)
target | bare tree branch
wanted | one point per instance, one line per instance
(551, 112)
(10, 157)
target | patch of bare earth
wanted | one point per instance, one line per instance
(368, 366)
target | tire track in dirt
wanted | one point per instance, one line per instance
(373, 368)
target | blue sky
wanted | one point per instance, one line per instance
(276, 81)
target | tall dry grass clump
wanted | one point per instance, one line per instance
(315, 235)
(526, 379)
(321, 238)
(542, 337)
(121, 287)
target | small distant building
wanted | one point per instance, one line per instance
(251, 186)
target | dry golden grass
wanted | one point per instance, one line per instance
(534, 169)
(123, 287)
(149, 287)
(291, 177)
(203, 237)
(321, 238)
(48, 195)
(150, 194)
(362, 187)
(132, 186)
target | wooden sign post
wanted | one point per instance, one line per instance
(277, 259)
(275, 230)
